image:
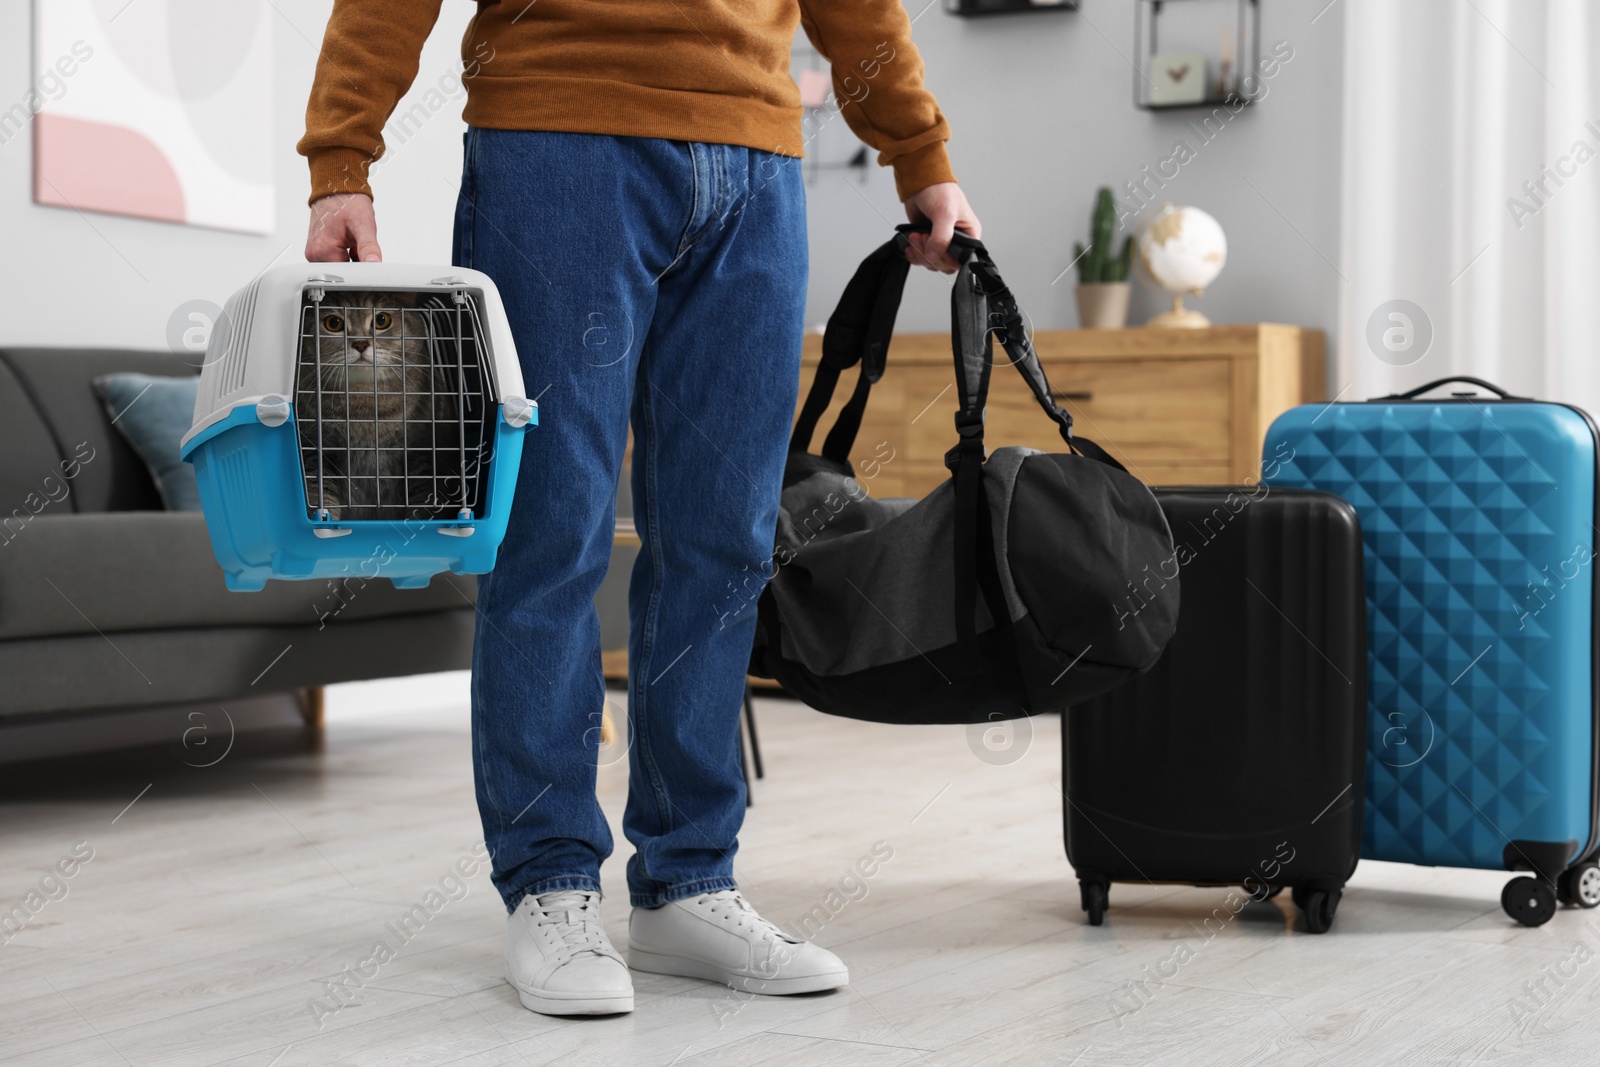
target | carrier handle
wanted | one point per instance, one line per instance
(1413, 394)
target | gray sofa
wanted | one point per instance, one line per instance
(107, 600)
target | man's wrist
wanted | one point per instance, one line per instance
(915, 171)
(338, 170)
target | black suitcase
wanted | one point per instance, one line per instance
(1239, 759)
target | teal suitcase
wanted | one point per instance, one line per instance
(1478, 521)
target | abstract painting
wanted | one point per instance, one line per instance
(158, 109)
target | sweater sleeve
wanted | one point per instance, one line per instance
(877, 82)
(370, 54)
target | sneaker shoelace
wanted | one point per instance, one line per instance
(731, 903)
(574, 916)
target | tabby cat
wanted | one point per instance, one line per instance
(386, 407)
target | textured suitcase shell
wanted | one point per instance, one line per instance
(1245, 742)
(1479, 527)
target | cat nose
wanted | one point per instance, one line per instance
(360, 346)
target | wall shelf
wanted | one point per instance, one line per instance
(1196, 53)
(971, 8)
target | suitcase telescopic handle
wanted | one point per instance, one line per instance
(1463, 378)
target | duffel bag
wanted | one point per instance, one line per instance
(1025, 583)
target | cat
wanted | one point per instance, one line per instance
(386, 408)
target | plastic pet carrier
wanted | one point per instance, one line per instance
(359, 419)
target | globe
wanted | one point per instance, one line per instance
(1181, 249)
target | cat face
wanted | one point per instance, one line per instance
(363, 330)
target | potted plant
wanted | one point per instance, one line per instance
(1102, 276)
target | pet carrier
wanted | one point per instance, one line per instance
(359, 420)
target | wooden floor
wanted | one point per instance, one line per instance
(220, 900)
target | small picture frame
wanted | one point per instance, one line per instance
(1177, 78)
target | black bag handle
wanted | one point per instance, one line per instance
(874, 349)
(859, 331)
(972, 343)
(1465, 379)
(982, 307)
(862, 326)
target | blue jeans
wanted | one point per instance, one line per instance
(660, 283)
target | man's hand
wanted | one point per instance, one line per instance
(945, 206)
(343, 227)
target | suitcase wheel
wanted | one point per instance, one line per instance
(1580, 885)
(1317, 906)
(1094, 898)
(1530, 901)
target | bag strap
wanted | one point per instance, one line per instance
(859, 331)
(972, 345)
(1006, 323)
(982, 308)
(862, 325)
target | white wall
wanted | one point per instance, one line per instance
(65, 275)
(1041, 106)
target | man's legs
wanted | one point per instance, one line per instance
(573, 228)
(711, 414)
(668, 277)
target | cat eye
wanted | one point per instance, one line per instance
(381, 321)
(332, 323)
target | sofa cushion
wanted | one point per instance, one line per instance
(31, 479)
(217, 664)
(60, 383)
(76, 574)
(153, 412)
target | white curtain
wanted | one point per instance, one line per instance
(1453, 111)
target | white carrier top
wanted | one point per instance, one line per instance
(255, 345)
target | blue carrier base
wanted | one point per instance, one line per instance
(253, 495)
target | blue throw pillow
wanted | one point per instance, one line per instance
(153, 413)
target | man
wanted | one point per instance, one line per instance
(631, 183)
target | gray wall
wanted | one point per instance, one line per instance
(1041, 106)
(109, 280)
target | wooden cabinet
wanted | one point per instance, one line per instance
(1175, 406)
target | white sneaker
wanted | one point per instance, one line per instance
(719, 937)
(559, 959)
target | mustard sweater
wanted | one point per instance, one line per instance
(691, 70)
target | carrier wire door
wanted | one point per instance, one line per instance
(394, 395)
